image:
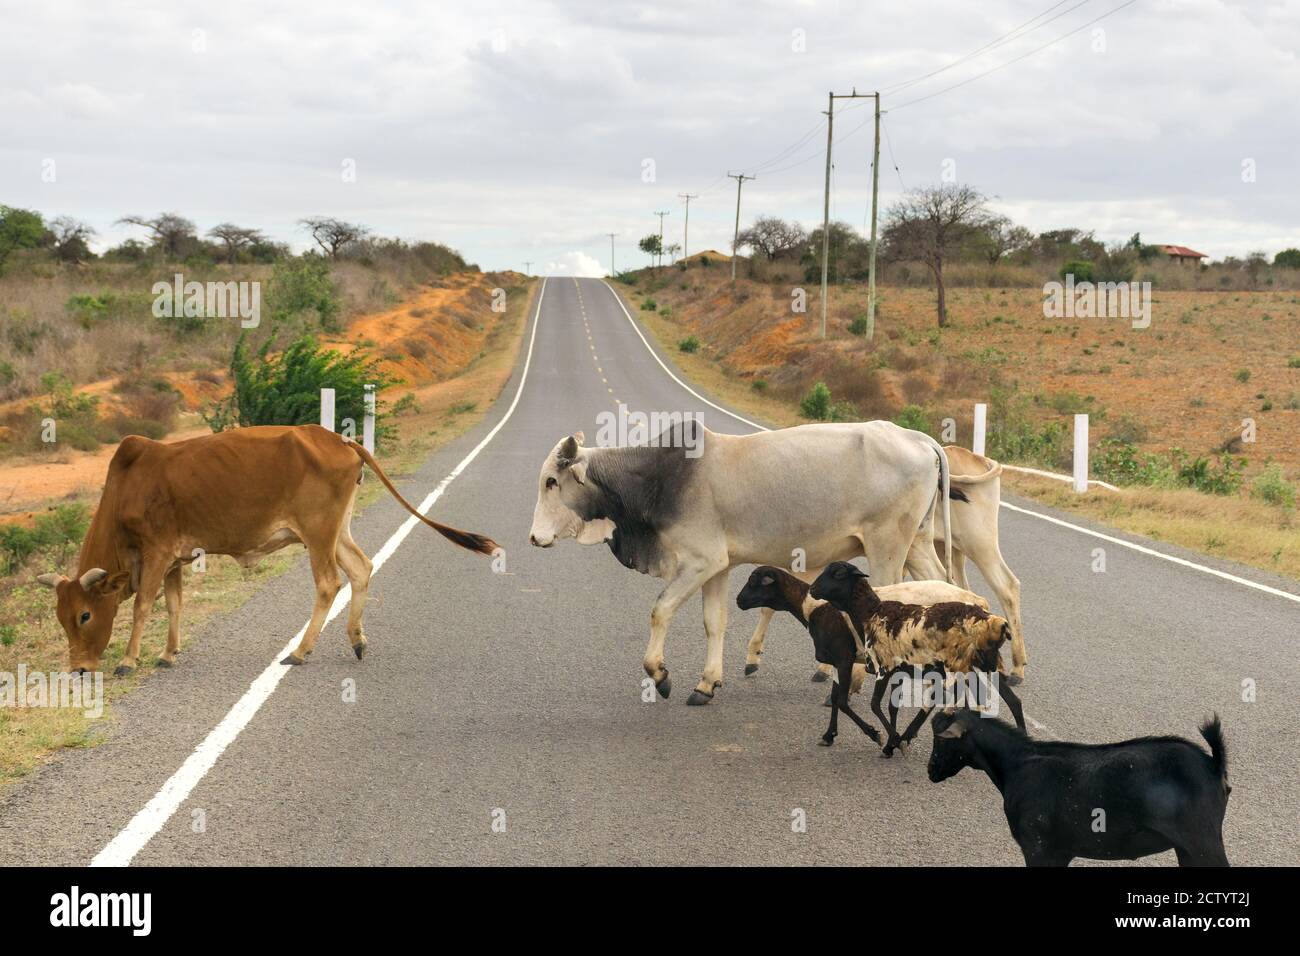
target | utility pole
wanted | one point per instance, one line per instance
(826, 211)
(735, 236)
(661, 215)
(871, 262)
(611, 235)
(686, 230)
(528, 268)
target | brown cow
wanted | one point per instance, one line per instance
(245, 493)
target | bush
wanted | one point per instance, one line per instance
(1271, 486)
(858, 326)
(689, 344)
(57, 533)
(648, 305)
(1120, 463)
(759, 385)
(1243, 375)
(913, 416)
(1082, 271)
(817, 403)
(1199, 474)
(284, 388)
(304, 285)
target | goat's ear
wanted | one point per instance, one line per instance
(953, 731)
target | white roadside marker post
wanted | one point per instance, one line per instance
(981, 422)
(327, 408)
(368, 423)
(1080, 453)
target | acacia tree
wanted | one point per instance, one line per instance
(652, 246)
(773, 237)
(170, 231)
(999, 238)
(70, 239)
(235, 238)
(332, 235)
(930, 224)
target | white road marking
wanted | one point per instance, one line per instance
(155, 814)
(1246, 582)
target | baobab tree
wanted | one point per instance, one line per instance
(930, 224)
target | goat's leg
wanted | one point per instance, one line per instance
(877, 693)
(832, 729)
(754, 651)
(1004, 688)
(844, 686)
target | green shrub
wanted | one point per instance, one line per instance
(648, 305)
(1198, 473)
(1243, 375)
(1293, 362)
(759, 385)
(1120, 463)
(689, 344)
(913, 416)
(284, 388)
(859, 325)
(1081, 270)
(817, 403)
(55, 534)
(8, 634)
(844, 412)
(1271, 486)
(304, 285)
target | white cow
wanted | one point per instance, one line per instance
(825, 492)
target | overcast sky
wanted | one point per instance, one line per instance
(527, 130)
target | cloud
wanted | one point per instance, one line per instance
(575, 264)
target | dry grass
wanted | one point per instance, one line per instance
(1175, 386)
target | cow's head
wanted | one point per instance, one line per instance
(86, 608)
(561, 488)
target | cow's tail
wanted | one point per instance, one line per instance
(466, 539)
(945, 489)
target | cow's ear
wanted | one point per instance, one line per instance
(580, 438)
(113, 584)
(568, 448)
(579, 470)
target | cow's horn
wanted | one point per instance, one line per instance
(91, 578)
(50, 580)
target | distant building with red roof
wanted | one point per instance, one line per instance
(1183, 254)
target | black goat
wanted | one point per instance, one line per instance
(832, 640)
(1096, 801)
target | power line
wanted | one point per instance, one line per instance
(1001, 66)
(1005, 38)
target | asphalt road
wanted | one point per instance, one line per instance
(516, 698)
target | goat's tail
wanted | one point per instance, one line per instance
(1212, 731)
(466, 539)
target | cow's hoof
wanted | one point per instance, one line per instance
(123, 670)
(291, 659)
(819, 677)
(1014, 680)
(698, 698)
(826, 741)
(751, 670)
(359, 649)
(664, 686)
(163, 662)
